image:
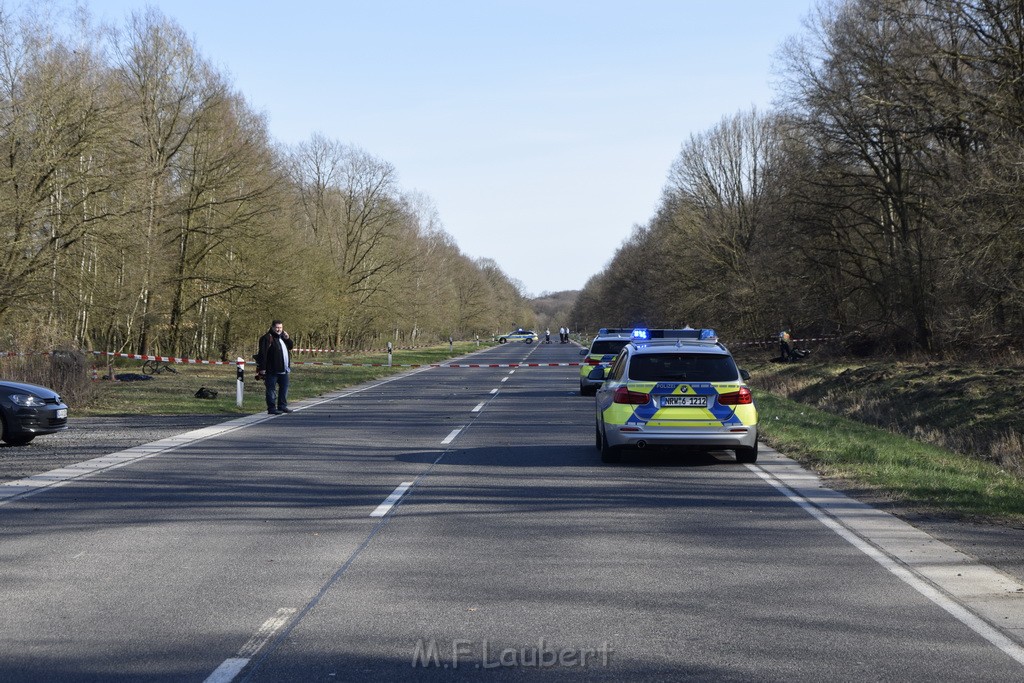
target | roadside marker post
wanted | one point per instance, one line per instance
(390, 348)
(240, 381)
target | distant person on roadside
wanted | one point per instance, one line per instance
(561, 335)
(785, 346)
(273, 365)
(547, 336)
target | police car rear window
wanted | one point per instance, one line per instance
(683, 367)
(604, 346)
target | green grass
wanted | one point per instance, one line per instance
(174, 393)
(897, 466)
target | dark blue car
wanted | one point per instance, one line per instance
(28, 410)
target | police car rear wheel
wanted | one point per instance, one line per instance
(609, 454)
(501, 340)
(746, 454)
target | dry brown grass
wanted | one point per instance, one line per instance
(967, 407)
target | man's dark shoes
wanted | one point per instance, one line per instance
(285, 410)
(273, 412)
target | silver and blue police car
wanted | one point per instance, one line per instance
(519, 334)
(602, 352)
(674, 388)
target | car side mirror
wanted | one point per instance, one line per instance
(583, 352)
(745, 375)
(597, 374)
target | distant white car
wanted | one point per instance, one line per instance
(528, 336)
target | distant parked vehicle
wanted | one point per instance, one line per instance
(528, 336)
(28, 410)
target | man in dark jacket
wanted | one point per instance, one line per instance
(273, 365)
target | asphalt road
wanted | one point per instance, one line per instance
(262, 552)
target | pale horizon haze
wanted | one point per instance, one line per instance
(542, 131)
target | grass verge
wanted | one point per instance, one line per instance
(173, 393)
(891, 465)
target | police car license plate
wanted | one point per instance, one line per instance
(684, 402)
(62, 413)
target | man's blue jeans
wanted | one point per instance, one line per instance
(277, 390)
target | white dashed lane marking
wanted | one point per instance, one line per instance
(391, 500)
(233, 665)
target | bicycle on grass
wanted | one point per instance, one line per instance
(155, 367)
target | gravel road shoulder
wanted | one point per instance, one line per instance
(90, 437)
(998, 545)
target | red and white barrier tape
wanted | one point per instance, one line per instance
(442, 365)
(162, 359)
(17, 354)
(166, 358)
(395, 348)
(195, 361)
(773, 342)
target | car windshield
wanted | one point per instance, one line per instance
(606, 346)
(683, 367)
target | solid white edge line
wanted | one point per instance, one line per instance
(451, 437)
(226, 672)
(230, 667)
(971, 621)
(390, 501)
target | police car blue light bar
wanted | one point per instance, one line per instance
(708, 334)
(701, 334)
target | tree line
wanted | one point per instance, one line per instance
(145, 208)
(880, 198)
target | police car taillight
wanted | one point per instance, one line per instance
(742, 397)
(634, 398)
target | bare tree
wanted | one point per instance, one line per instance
(872, 149)
(228, 189)
(725, 205)
(168, 88)
(53, 123)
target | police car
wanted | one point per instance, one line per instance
(603, 350)
(519, 334)
(675, 388)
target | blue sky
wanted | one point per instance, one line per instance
(542, 130)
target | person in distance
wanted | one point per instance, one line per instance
(273, 366)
